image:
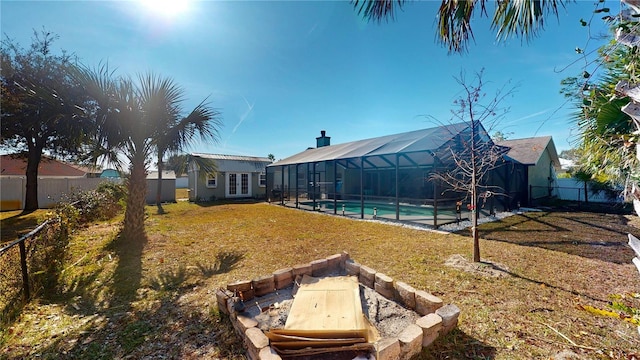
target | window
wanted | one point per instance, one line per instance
(212, 180)
(262, 179)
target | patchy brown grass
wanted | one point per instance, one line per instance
(16, 223)
(154, 296)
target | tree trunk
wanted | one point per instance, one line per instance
(137, 186)
(474, 195)
(159, 186)
(31, 195)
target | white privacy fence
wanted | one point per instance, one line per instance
(50, 190)
(575, 190)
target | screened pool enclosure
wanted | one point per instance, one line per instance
(387, 177)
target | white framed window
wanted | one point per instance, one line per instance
(262, 179)
(212, 180)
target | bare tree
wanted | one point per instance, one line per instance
(472, 154)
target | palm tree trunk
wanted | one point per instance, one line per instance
(137, 186)
(159, 186)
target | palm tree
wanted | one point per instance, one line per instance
(128, 118)
(174, 132)
(521, 18)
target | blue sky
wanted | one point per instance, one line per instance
(282, 71)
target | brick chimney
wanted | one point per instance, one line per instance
(323, 140)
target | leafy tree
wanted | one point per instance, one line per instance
(472, 152)
(271, 157)
(570, 154)
(42, 108)
(500, 136)
(520, 18)
(173, 131)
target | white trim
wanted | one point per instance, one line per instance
(213, 177)
(260, 178)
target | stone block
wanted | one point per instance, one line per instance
(243, 288)
(387, 349)
(449, 314)
(255, 340)
(406, 294)
(344, 257)
(430, 325)
(267, 353)
(245, 321)
(222, 296)
(302, 269)
(333, 263)
(283, 278)
(264, 285)
(384, 285)
(319, 267)
(367, 276)
(427, 303)
(352, 268)
(410, 341)
(242, 285)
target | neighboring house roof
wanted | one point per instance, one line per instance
(408, 142)
(166, 175)
(17, 166)
(237, 163)
(528, 151)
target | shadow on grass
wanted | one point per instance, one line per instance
(128, 274)
(15, 226)
(225, 262)
(228, 201)
(589, 235)
(457, 345)
(136, 323)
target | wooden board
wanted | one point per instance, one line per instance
(330, 304)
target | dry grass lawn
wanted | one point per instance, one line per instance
(154, 297)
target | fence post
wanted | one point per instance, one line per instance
(25, 274)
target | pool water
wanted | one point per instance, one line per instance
(382, 209)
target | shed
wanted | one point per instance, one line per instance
(168, 186)
(237, 176)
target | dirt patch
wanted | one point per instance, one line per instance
(483, 268)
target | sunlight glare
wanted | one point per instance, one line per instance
(166, 8)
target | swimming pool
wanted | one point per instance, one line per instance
(383, 209)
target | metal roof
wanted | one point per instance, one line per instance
(237, 163)
(404, 143)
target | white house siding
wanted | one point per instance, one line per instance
(539, 177)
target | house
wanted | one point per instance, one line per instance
(237, 177)
(390, 176)
(540, 157)
(168, 186)
(12, 165)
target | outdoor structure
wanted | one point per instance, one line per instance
(389, 177)
(540, 157)
(237, 177)
(168, 186)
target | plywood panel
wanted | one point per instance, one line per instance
(327, 304)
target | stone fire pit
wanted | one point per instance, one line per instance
(406, 319)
